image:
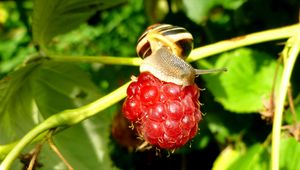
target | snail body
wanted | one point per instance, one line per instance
(168, 67)
(164, 48)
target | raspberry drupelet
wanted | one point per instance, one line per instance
(166, 115)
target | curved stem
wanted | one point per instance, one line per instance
(197, 53)
(293, 47)
(250, 39)
(67, 117)
(5, 149)
(13, 154)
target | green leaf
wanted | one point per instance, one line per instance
(290, 118)
(226, 126)
(85, 146)
(59, 86)
(33, 93)
(289, 154)
(17, 107)
(226, 158)
(258, 157)
(254, 158)
(198, 11)
(42, 88)
(246, 84)
(51, 18)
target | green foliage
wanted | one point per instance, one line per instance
(106, 38)
(253, 158)
(39, 90)
(290, 150)
(251, 79)
(90, 153)
(44, 88)
(15, 105)
(39, 82)
(14, 38)
(51, 18)
(256, 157)
(198, 11)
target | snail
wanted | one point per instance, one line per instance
(164, 48)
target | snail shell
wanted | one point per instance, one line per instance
(163, 48)
(178, 39)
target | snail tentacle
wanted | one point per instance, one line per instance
(208, 71)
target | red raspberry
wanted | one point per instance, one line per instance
(165, 114)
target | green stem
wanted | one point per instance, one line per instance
(197, 53)
(5, 149)
(67, 117)
(293, 52)
(131, 61)
(250, 39)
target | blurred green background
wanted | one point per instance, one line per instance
(114, 31)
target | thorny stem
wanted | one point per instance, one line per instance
(291, 104)
(293, 48)
(34, 157)
(270, 104)
(58, 153)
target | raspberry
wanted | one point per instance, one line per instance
(165, 114)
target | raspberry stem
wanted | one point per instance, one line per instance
(246, 40)
(132, 61)
(290, 53)
(197, 53)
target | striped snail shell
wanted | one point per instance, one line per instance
(178, 39)
(163, 48)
